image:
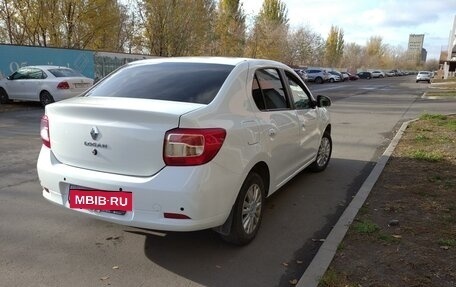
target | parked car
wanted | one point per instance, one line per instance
(139, 150)
(45, 84)
(318, 76)
(390, 74)
(334, 76)
(377, 74)
(351, 77)
(423, 76)
(302, 74)
(345, 76)
(365, 75)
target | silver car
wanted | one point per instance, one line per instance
(423, 76)
(319, 76)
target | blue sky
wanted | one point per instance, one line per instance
(393, 20)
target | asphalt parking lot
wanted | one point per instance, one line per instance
(45, 245)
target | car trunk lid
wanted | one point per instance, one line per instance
(115, 135)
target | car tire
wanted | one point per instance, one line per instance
(323, 155)
(331, 80)
(247, 211)
(4, 99)
(46, 98)
(318, 80)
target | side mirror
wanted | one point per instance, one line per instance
(323, 101)
(8, 78)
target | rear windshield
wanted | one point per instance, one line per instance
(181, 82)
(60, 73)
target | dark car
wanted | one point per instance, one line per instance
(350, 76)
(365, 75)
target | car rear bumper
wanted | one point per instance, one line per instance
(204, 193)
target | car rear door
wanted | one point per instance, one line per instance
(309, 134)
(279, 125)
(32, 85)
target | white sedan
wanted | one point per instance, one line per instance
(183, 144)
(45, 84)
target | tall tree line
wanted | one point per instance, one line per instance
(184, 28)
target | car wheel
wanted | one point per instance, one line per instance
(318, 80)
(417, 81)
(323, 155)
(247, 211)
(4, 99)
(46, 98)
(331, 80)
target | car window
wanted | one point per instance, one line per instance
(180, 82)
(19, 74)
(60, 72)
(267, 90)
(35, 74)
(300, 95)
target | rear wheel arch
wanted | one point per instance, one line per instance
(262, 169)
(327, 130)
(46, 98)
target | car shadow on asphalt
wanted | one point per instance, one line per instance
(19, 106)
(296, 217)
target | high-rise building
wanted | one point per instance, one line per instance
(415, 47)
(423, 55)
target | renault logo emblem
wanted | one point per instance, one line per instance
(94, 133)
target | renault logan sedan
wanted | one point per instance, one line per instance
(45, 84)
(183, 144)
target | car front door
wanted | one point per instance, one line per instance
(16, 84)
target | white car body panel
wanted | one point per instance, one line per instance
(286, 141)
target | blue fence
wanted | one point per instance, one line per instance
(13, 57)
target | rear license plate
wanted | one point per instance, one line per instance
(102, 200)
(80, 85)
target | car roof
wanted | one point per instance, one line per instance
(206, 60)
(47, 67)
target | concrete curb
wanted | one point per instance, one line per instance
(325, 254)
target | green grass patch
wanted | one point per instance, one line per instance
(447, 242)
(387, 238)
(421, 138)
(441, 94)
(332, 278)
(433, 117)
(450, 80)
(366, 227)
(430, 156)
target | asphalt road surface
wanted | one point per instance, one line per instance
(45, 245)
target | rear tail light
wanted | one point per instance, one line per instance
(44, 131)
(184, 147)
(63, 85)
